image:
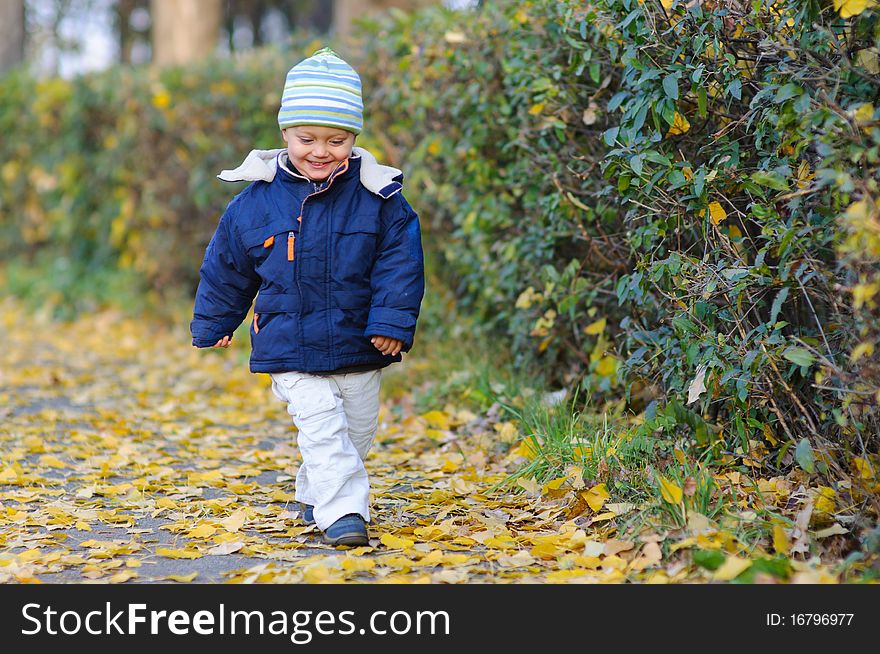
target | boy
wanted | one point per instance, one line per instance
(325, 236)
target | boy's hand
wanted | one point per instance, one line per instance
(223, 342)
(387, 345)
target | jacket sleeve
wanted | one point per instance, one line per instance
(398, 278)
(227, 286)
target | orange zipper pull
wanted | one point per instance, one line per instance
(290, 240)
(256, 326)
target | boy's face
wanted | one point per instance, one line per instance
(315, 150)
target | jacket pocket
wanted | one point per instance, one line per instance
(271, 248)
(354, 247)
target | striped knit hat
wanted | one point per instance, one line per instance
(322, 90)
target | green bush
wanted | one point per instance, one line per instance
(674, 202)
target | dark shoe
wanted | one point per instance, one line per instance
(306, 513)
(348, 530)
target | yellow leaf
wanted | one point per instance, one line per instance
(608, 515)
(177, 554)
(185, 579)
(716, 212)
(864, 468)
(357, 564)
(165, 503)
(395, 542)
(161, 100)
(780, 540)
(536, 108)
(29, 555)
(519, 560)
(865, 348)
(864, 114)
(525, 449)
(527, 297)
(529, 484)
(849, 8)
(595, 328)
(211, 475)
(437, 419)
(825, 499)
(203, 531)
(607, 366)
(318, 574)
(731, 568)
(670, 491)
(234, 522)
(122, 577)
(83, 526)
(280, 496)
(430, 532)
(450, 466)
(553, 486)
(52, 461)
(680, 125)
(863, 293)
(596, 496)
(545, 551)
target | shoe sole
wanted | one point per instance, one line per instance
(347, 539)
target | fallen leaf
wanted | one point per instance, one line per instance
(669, 490)
(596, 496)
(834, 530)
(235, 521)
(184, 579)
(731, 568)
(177, 553)
(225, 548)
(395, 542)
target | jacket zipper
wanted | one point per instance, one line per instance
(302, 207)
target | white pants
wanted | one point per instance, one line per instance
(337, 417)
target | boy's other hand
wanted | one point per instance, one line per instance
(223, 342)
(387, 345)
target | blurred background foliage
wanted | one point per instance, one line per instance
(670, 206)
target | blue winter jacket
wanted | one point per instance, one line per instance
(330, 267)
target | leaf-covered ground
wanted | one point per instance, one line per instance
(129, 456)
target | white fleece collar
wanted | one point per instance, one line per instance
(261, 165)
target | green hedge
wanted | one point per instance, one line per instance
(674, 204)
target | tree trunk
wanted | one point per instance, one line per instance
(346, 11)
(11, 33)
(185, 30)
(123, 29)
